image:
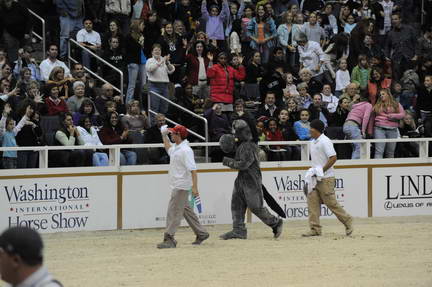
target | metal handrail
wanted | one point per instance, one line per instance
(43, 37)
(206, 133)
(99, 58)
(114, 150)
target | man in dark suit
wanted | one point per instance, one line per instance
(269, 109)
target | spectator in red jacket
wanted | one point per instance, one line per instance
(274, 133)
(222, 78)
(53, 104)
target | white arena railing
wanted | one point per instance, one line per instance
(114, 150)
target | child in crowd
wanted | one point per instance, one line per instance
(8, 131)
(291, 88)
(343, 78)
(260, 126)
(214, 20)
(396, 89)
(285, 126)
(302, 127)
(350, 24)
(361, 73)
(293, 110)
(274, 133)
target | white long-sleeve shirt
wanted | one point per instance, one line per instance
(343, 79)
(157, 71)
(311, 55)
(89, 138)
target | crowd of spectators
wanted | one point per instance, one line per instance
(363, 67)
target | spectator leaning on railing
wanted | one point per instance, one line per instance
(356, 124)
(387, 114)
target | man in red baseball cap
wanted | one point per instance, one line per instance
(179, 130)
(183, 177)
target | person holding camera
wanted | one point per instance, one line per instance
(25, 60)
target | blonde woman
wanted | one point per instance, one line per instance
(57, 77)
(388, 113)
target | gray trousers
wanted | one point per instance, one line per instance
(244, 198)
(178, 208)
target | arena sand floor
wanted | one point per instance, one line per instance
(382, 252)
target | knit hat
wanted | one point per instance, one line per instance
(317, 125)
(23, 241)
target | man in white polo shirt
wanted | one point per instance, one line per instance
(323, 157)
(183, 177)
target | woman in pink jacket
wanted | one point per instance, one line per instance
(222, 77)
(357, 122)
(388, 112)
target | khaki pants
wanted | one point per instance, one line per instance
(324, 193)
(178, 208)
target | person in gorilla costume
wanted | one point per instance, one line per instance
(248, 189)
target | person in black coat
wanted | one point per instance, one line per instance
(274, 82)
(114, 56)
(269, 108)
(29, 135)
(16, 26)
(337, 119)
(174, 45)
(317, 111)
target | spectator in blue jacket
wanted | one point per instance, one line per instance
(302, 127)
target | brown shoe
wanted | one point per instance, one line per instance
(200, 238)
(311, 233)
(168, 242)
(349, 229)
